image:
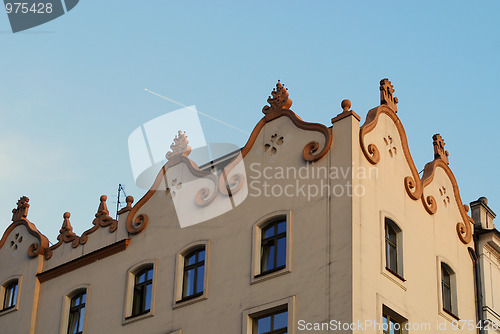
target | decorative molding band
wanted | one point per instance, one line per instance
(412, 183)
(83, 260)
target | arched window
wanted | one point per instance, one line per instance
(143, 287)
(76, 319)
(191, 273)
(273, 246)
(194, 273)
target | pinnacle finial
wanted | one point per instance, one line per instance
(179, 146)
(278, 100)
(22, 209)
(439, 151)
(387, 94)
(346, 105)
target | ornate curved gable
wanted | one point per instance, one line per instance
(20, 217)
(229, 182)
(414, 186)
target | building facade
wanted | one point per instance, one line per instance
(308, 228)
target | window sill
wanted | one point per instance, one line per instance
(137, 317)
(396, 279)
(8, 310)
(451, 314)
(190, 300)
(395, 274)
(270, 274)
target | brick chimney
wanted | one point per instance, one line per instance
(482, 214)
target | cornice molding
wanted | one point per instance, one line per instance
(83, 260)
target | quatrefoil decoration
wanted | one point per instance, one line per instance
(17, 240)
(446, 199)
(175, 184)
(272, 146)
(391, 148)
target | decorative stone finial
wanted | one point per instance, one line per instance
(346, 105)
(129, 201)
(386, 94)
(279, 99)
(22, 209)
(439, 151)
(179, 146)
(66, 232)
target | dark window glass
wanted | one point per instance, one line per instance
(446, 287)
(275, 323)
(273, 246)
(77, 313)
(10, 295)
(143, 286)
(391, 247)
(194, 274)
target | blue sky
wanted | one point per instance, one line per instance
(72, 90)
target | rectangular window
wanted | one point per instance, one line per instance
(448, 290)
(272, 323)
(10, 294)
(393, 248)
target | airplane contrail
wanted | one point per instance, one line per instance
(201, 113)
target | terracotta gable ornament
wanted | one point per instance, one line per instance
(22, 209)
(179, 147)
(102, 219)
(439, 151)
(279, 99)
(66, 234)
(386, 94)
